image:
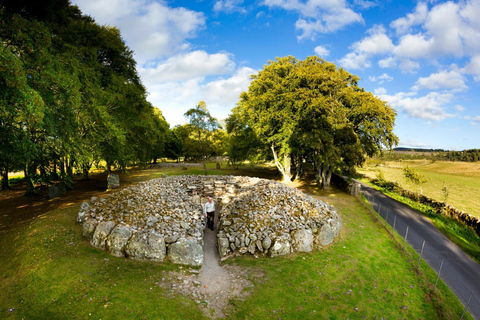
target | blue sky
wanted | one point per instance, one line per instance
(423, 58)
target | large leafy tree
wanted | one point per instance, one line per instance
(203, 125)
(313, 110)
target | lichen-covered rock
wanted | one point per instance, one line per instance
(101, 233)
(89, 228)
(146, 245)
(280, 247)
(223, 246)
(84, 208)
(303, 240)
(325, 236)
(113, 181)
(186, 251)
(336, 225)
(117, 240)
(266, 243)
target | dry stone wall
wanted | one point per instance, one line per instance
(164, 218)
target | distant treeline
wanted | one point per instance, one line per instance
(470, 155)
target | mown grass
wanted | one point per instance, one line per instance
(465, 237)
(49, 271)
(462, 180)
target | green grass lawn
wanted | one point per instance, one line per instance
(49, 272)
(461, 178)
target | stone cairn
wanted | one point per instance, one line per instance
(164, 218)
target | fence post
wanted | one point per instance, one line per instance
(468, 303)
(379, 209)
(386, 219)
(421, 253)
(394, 222)
(405, 240)
(438, 276)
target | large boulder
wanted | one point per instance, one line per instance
(89, 228)
(326, 235)
(186, 251)
(146, 245)
(113, 181)
(280, 247)
(336, 225)
(117, 240)
(303, 240)
(223, 246)
(101, 232)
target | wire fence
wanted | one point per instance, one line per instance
(444, 267)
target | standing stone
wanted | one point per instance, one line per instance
(89, 228)
(223, 246)
(53, 192)
(146, 245)
(259, 245)
(266, 243)
(303, 240)
(117, 240)
(101, 232)
(336, 225)
(325, 236)
(113, 181)
(187, 252)
(251, 248)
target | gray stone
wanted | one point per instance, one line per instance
(336, 225)
(113, 181)
(53, 192)
(93, 200)
(223, 246)
(259, 245)
(251, 247)
(266, 243)
(117, 240)
(171, 239)
(281, 247)
(101, 233)
(184, 225)
(186, 251)
(325, 236)
(146, 245)
(89, 228)
(303, 240)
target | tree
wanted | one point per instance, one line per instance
(203, 124)
(413, 176)
(313, 110)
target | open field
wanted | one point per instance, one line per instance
(49, 271)
(461, 178)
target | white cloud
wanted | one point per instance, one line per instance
(174, 98)
(355, 61)
(229, 6)
(226, 92)
(380, 91)
(183, 67)
(403, 25)
(321, 51)
(381, 79)
(429, 107)
(473, 67)
(318, 16)
(389, 62)
(365, 4)
(476, 119)
(377, 43)
(442, 80)
(459, 108)
(151, 29)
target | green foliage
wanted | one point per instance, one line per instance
(312, 110)
(413, 176)
(70, 95)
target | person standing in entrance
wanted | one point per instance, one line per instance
(209, 211)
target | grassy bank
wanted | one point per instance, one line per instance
(462, 180)
(49, 271)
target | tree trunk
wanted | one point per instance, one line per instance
(328, 178)
(5, 185)
(285, 168)
(86, 169)
(29, 180)
(54, 173)
(205, 166)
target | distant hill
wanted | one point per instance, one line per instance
(419, 150)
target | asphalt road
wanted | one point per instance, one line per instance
(459, 271)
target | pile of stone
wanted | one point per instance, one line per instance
(271, 218)
(164, 218)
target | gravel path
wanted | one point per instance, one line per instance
(460, 272)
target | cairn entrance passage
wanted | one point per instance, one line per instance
(163, 218)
